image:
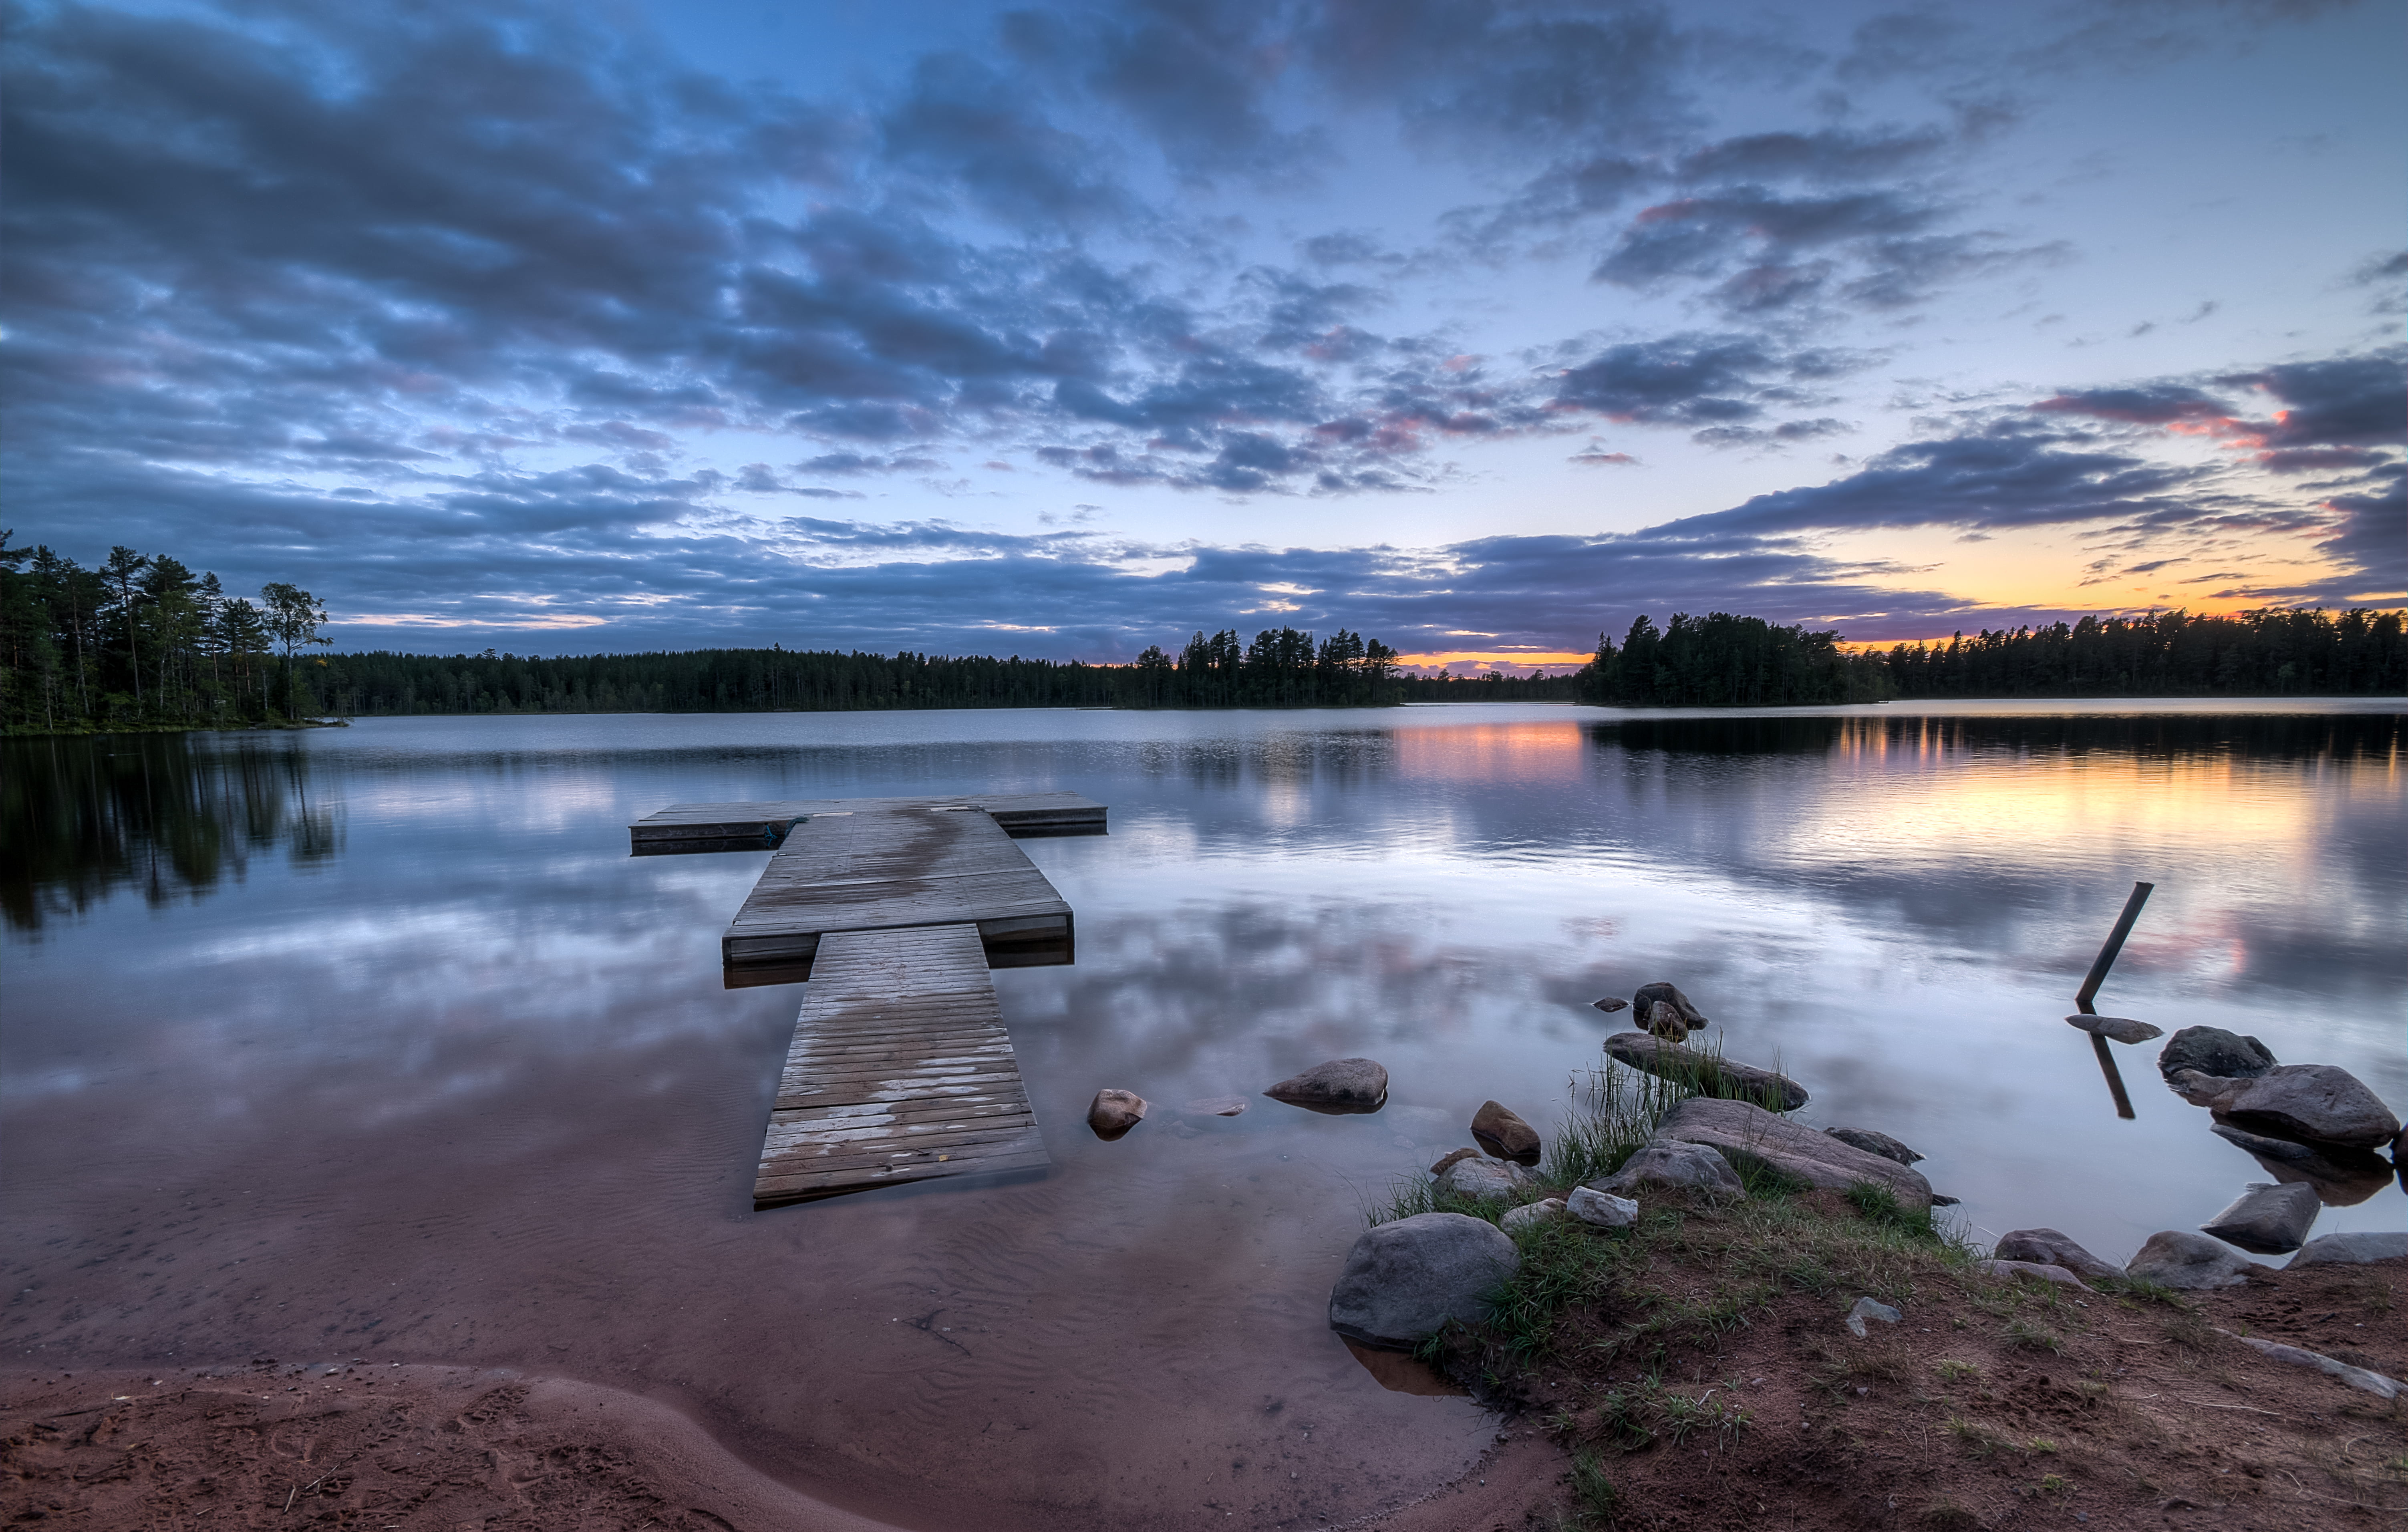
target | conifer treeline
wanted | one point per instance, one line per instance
(143, 642)
(1727, 661)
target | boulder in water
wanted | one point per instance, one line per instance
(2213, 1050)
(1703, 1071)
(2268, 1218)
(1114, 1112)
(1404, 1281)
(2178, 1258)
(1502, 1133)
(1643, 1003)
(2311, 1103)
(1339, 1086)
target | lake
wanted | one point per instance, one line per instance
(376, 1042)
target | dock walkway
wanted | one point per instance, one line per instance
(895, 910)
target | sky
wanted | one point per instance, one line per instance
(1480, 328)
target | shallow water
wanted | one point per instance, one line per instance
(376, 1042)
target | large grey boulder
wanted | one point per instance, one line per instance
(2319, 1103)
(1687, 1166)
(1477, 1178)
(1404, 1281)
(2213, 1050)
(1718, 1077)
(2117, 1029)
(2268, 1217)
(2178, 1258)
(1735, 1127)
(1502, 1131)
(1645, 1002)
(2344, 1177)
(1341, 1085)
(2053, 1247)
(1874, 1143)
(2354, 1249)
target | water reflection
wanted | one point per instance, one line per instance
(81, 819)
(451, 1075)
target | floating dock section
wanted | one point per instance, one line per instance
(895, 910)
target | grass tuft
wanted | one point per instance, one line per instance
(1593, 1495)
(2033, 1336)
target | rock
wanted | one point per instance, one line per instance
(1716, 1077)
(1216, 1106)
(1611, 1003)
(1735, 1127)
(1874, 1143)
(2373, 1383)
(1339, 1086)
(1663, 1021)
(2051, 1247)
(1602, 1209)
(1642, 1003)
(1691, 1166)
(1475, 1176)
(2353, 1249)
(1531, 1214)
(1869, 1309)
(2033, 1271)
(2213, 1050)
(1450, 1158)
(1503, 1133)
(2268, 1218)
(2318, 1103)
(1939, 1201)
(2117, 1029)
(2177, 1258)
(1404, 1281)
(1114, 1112)
(2344, 1177)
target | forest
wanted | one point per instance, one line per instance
(142, 643)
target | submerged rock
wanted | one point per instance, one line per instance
(2268, 1218)
(1672, 1060)
(1114, 1112)
(2353, 1249)
(2117, 1029)
(2178, 1258)
(1734, 1129)
(1644, 1001)
(1341, 1085)
(1404, 1281)
(2315, 1103)
(1874, 1143)
(2213, 1050)
(1691, 1166)
(2344, 1177)
(1216, 1106)
(2051, 1247)
(1611, 1003)
(1502, 1133)
(1531, 1212)
(1602, 1209)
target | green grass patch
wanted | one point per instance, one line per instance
(1593, 1495)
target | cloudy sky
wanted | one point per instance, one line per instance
(1475, 326)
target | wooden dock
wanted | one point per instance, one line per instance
(895, 910)
(901, 1070)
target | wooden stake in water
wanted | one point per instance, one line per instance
(2098, 967)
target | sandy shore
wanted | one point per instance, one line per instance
(265, 1445)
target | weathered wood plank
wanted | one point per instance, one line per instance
(695, 827)
(900, 1068)
(915, 866)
